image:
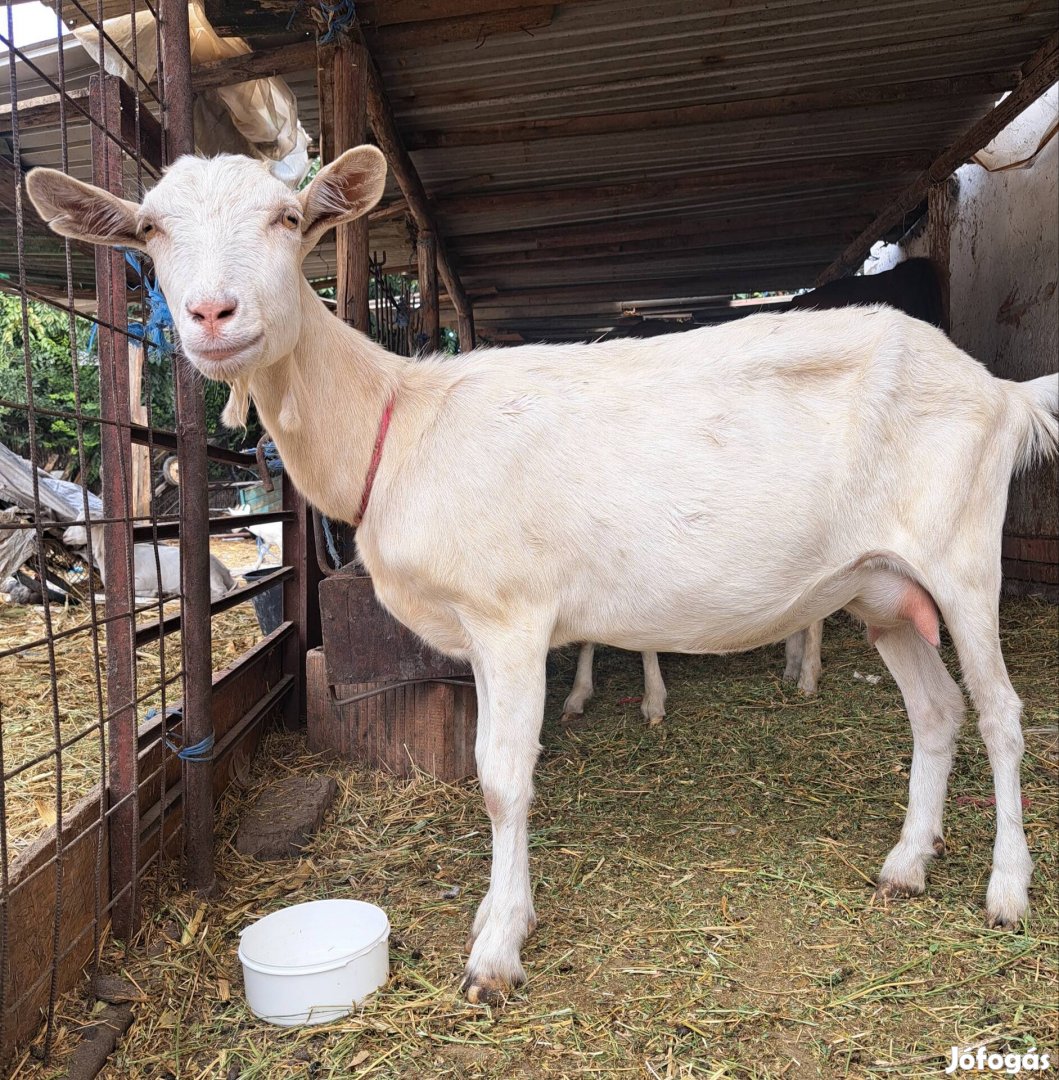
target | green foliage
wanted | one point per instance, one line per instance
(57, 375)
(58, 372)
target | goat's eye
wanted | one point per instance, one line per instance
(146, 230)
(290, 220)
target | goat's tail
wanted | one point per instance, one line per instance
(1039, 431)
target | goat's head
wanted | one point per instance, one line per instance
(227, 240)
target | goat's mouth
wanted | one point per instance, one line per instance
(220, 353)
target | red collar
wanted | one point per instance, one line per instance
(376, 457)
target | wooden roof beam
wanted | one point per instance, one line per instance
(1037, 76)
(387, 135)
(713, 113)
(260, 64)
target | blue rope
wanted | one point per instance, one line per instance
(332, 549)
(200, 751)
(272, 458)
(152, 332)
(160, 318)
(340, 15)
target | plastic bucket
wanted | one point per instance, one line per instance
(268, 606)
(312, 963)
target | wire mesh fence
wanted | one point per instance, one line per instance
(112, 719)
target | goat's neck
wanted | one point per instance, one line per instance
(322, 405)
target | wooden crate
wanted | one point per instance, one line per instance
(423, 716)
(424, 725)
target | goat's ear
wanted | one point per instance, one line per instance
(73, 208)
(343, 191)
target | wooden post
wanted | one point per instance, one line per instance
(141, 455)
(195, 627)
(343, 110)
(388, 136)
(939, 239)
(429, 314)
(123, 815)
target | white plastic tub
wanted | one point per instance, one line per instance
(311, 963)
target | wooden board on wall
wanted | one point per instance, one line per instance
(428, 726)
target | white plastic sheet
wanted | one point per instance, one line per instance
(259, 118)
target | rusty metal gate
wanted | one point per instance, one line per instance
(117, 734)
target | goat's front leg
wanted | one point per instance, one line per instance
(514, 674)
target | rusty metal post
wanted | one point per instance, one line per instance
(116, 449)
(195, 641)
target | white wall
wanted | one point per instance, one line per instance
(1004, 269)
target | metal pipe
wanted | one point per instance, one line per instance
(195, 638)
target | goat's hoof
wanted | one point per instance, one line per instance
(896, 890)
(573, 722)
(940, 851)
(1002, 921)
(655, 721)
(808, 689)
(481, 990)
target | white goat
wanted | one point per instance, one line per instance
(707, 493)
(150, 579)
(265, 536)
(803, 666)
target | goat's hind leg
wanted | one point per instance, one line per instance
(972, 617)
(582, 690)
(653, 706)
(935, 709)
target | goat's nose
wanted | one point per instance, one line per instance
(213, 314)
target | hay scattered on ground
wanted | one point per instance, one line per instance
(702, 889)
(29, 711)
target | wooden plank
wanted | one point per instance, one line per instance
(379, 13)
(939, 239)
(30, 905)
(778, 175)
(688, 288)
(386, 132)
(427, 726)
(720, 112)
(1038, 75)
(478, 28)
(704, 245)
(343, 89)
(45, 111)
(775, 223)
(259, 64)
(429, 314)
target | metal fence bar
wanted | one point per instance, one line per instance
(175, 62)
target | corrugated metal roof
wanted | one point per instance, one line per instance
(593, 154)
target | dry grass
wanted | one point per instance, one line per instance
(34, 723)
(702, 888)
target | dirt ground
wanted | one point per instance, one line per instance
(703, 891)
